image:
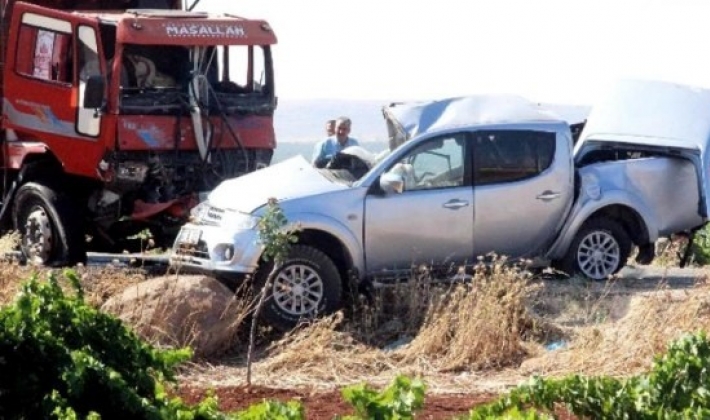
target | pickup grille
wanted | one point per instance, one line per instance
(196, 251)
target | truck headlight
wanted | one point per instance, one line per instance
(131, 172)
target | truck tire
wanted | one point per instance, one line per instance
(50, 226)
(308, 284)
(599, 250)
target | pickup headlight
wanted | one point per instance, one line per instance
(199, 212)
(239, 221)
(206, 214)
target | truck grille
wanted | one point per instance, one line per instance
(177, 173)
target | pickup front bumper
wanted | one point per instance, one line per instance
(214, 250)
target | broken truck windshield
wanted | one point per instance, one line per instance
(224, 79)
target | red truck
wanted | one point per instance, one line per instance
(116, 114)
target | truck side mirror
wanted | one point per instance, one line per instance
(94, 92)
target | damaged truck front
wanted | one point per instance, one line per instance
(117, 114)
(468, 177)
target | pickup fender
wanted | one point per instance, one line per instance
(587, 206)
(351, 244)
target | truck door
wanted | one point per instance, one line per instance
(430, 222)
(523, 188)
(43, 88)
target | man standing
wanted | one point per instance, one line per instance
(330, 128)
(328, 148)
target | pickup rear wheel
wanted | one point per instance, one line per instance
(308, 284)
(51, 232)
(599, 250)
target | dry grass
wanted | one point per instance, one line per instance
(418, 328)
(490, 333)
(99, 283)
(11, 277)
(491, 330)
(476, 325)
(321, 347)
(626, 345)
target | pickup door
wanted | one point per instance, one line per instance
(523, 190)
(510, 196)
(431, 221)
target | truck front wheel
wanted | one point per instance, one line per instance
(306, 285)
(599, 250)
(49, 225)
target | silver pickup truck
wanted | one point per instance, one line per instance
(466, 177)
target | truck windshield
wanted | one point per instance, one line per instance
(160, 79)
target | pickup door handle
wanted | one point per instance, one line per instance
(549, 195)
(455, 204)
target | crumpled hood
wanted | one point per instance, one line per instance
(291, 178)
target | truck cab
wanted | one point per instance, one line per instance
(126, 111)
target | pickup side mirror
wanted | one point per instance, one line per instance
(94, 92)
(392, 183)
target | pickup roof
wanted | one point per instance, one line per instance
(466, 177)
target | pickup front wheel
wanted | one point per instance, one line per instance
(599, 250)
(306, 285)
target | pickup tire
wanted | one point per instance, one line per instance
(50, 228)
(307, 284)
(599, 250)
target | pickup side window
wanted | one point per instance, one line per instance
(48, 56)
(511, 155)
(436, 163)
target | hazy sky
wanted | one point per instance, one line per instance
(549, 50)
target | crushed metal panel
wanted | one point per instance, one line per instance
(654, 113)
(647, 112)
(666, 186)
(292, 178)
(408, 119)
(411, 119)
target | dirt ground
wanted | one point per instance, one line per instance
(320, 405)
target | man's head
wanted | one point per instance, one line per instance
(330, 128)
(342, 129)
